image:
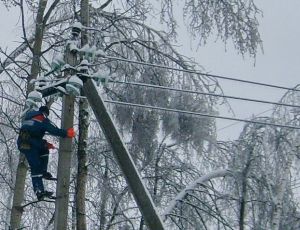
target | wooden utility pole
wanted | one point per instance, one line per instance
(64, 156)
(138, 189)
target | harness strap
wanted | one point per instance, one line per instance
(25, 134)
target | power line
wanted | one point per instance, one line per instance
(199, 114)
(197, 72)
(237, 122)
(204, 93)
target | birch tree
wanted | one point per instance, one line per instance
(83, 135)
(35, 68)
(287, 148)
(265, 156)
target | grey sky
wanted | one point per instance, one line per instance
(278, 65)
(10, 31)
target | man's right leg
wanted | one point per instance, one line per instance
(44, 158)
(33, 159)
(36, 173)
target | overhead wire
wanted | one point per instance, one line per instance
(295, 186)
(237, 122)
(199, 114)
(196, 72)
(210, 94)
(204, 93)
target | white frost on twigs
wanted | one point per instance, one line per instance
(101, 76)
(180, 196)
(100, 53)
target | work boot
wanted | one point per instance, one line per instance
(43, 194)
(48, 176)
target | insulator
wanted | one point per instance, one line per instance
(83, 66)
(76, 81)
(74, 85)
(42, 83)
(61, 89)
(76, 29)
(71, 89)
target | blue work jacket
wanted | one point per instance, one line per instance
(33, 130)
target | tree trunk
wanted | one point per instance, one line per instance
(104, 197)
(279, 194)
(82, 168)
(244, 185)
(16, 212)
(243, 196)
(83, 135)
(38, 41)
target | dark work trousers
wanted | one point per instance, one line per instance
(38, 162)
(44, 158)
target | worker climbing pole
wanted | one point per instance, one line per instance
(36, 149)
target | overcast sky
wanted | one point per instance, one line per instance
(279, 64)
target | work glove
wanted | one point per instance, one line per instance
(50, 146)
(71, 132)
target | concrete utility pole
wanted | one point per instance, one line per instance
(64, 156)
(138, 189)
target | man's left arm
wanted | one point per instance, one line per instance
(53, 130)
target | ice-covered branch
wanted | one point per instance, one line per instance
(14, 54)
(192, 186)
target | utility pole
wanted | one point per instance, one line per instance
(138, 189)
(65, 153)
